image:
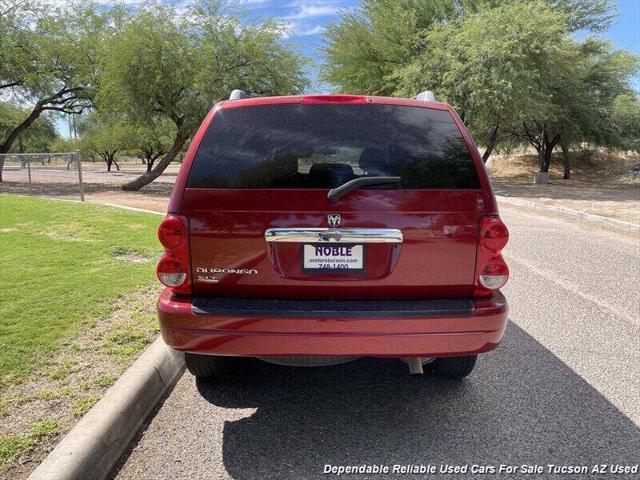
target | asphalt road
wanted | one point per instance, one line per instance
(563, 388)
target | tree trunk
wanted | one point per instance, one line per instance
(541, 156)
(151, 159)
(544, 152)
(15, 133)
(110, 159)
(549, 146)
(566, 157)
(147, 178)
(491, 143)
(546, 159)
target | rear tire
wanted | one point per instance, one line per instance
(208, 366)
(454, 367)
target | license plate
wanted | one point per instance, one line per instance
(334, 258)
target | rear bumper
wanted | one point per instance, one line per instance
(423, 328)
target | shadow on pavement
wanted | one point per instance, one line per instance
(521, 405)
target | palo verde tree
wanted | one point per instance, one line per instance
(173, 66)
(152, 139)
(488, 65)
(104, 138)
(64, 145)
(625, 121)
(367, 45)
(47, 60)
(38, 138)
(581, 86)
(489, 58)
(606, 108)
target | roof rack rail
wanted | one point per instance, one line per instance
(238, 95)
(426, 96)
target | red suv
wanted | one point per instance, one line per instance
(310, 230)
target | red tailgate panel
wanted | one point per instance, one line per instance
(435, 259)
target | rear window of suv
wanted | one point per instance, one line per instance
(324, 146)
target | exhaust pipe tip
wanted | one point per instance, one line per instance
(415, 365)
(415, 370)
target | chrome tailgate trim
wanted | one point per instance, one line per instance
(338, 235)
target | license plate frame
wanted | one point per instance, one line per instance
(360, 251)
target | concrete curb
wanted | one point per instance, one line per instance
(590, 217)
(125, 207)
(94, 445)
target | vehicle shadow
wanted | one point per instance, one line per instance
(522, 405)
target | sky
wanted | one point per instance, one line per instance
(306, 19)
(625, 31)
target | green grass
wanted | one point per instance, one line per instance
(59, 273)
(12, 446)
(83, 405)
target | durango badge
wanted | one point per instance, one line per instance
(334, 219)
(207, 275)
(240, 271)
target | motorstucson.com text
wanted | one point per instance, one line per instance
(481, 469)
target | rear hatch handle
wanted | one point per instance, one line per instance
(337, 193)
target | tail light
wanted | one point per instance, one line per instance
(493, 233)
(171, 272)
(174, 265)
(492, 271)
(494, 274)
(173, 231)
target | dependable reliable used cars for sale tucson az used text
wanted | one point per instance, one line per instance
(311, 230)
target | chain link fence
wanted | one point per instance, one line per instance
(44, 173)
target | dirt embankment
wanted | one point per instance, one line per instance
(600, 183)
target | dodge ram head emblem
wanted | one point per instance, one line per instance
(334, 219)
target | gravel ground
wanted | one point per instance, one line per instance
(600, 183)
(621, 202)
(91, 173)
(562, 388)
(99, 185)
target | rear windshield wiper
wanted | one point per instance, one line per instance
(337, 193)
